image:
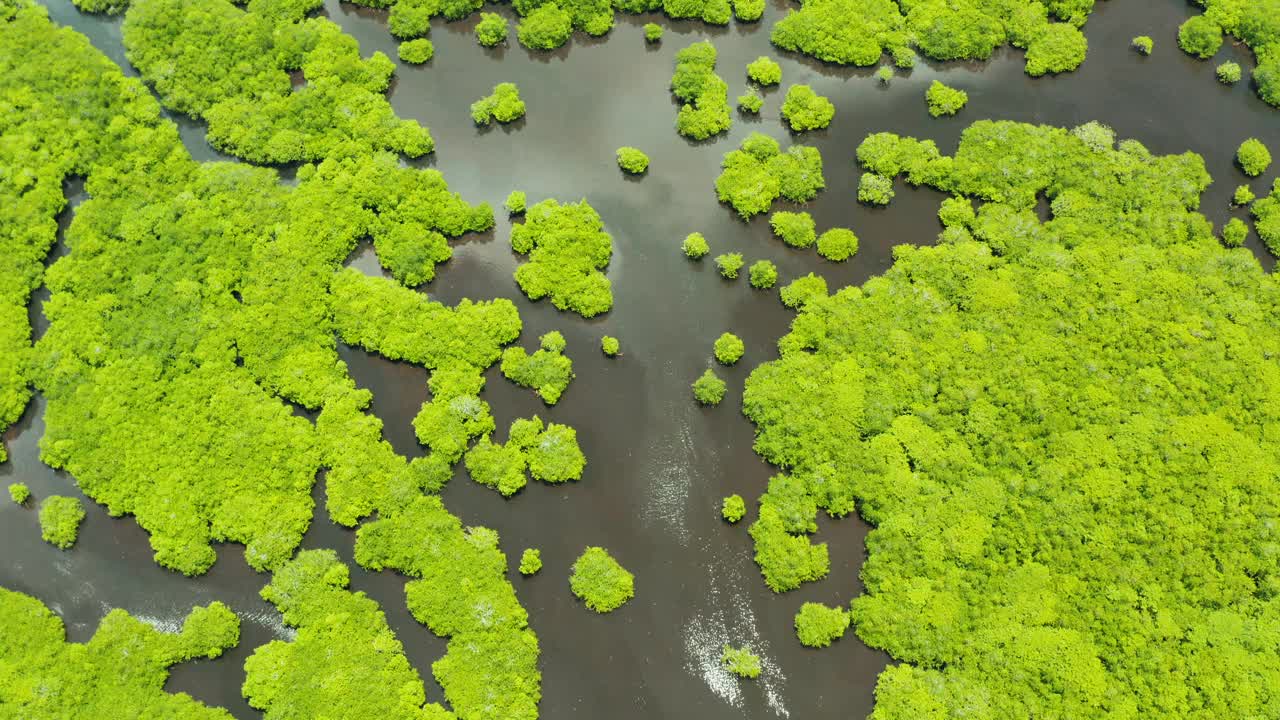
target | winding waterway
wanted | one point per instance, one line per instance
(658, 464)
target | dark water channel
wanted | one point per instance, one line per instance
(658, 464)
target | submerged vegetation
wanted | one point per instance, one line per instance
(758, 172)
(120, 672)
(600, 582)
(1051, 498)
(705, 95)
(568, 250)
(60, 518)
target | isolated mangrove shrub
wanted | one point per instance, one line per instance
(695, 246)
(610, 346)
(796, 229)
(1253, 157)
(741, 662)
(758, 172)
(515, 202)
(547, 371)
(945, 100)
(343, 654)
(884, 74)
(709, 389)
(530, 561)
(1143, 44)
(632, 160)
(750, 102)
(705, 95)
(492, 30)
(874, 189)
(729, 348)
(416, 52)
(60, 518)
(1243, 196)
(504, 105)
(19, 493)
(803, 109)
(818, 625)
(838, 244)
(1234, 233)
(120, 672)
(545, 28)
(763, 274)
(652, 32)
(1059, 48)
(1200, 36)
(764, 71)
(568, 250)
(800, 291)
(600, 582)
(733, 508)
(1229, 73)
(729, 265)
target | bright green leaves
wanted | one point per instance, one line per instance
(343, 655)
(551, 456)
(764, 71)
(633, 161)
(728, 348)
(796, 229)
(600, 582)
(741, 662)
(944, 100)
(60, 518)
(503, 105)
(1253, 157)
(763, 274)
(568, 251)
(492, 30)
(547, 371)
(838, 244)
(695, 246)
(554, 457)
(705, 95)
(818, 625)
(120, 672)
(733, 508)
(758, 172)
(1059, 48)
(847, 32)
(19, 493)
(416, 52)
(875, 189)
(530, 561)
(803, 109)
(729, 264)
(1200, 36)
(497, 466)
(709, 389)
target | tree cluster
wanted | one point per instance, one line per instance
(503, 105)
(547, 371)
(600, 582)
(803, 109)
(758, 172)
(1255, 23)
(60, 518)
(944, 100)
(705, 95)
(568, 251)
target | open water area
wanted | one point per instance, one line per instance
(658, 463)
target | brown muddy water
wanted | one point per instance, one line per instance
(658, 464)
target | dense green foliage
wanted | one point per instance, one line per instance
(945, 100)
(729, 348)
(119, 673)
(758, 172)
(705, 95)
(610, 346)
(763, 274)
(764, 71)
(490, 671)
(416, 52)
(741, 662)
(695, 246)
(545, 28)
(19, 493)
(1243, 196)
(1070, 485)
(1254, 22)
(729, 265)
(1266, 219)
(652, 32)
(492, 29)
(796, 229)
(1235, 232)
(600, 582)
(503, 105)
(230, 67)
(875, 189)
(818, 625)
(733, 508)
(547, 371)
(750, 102)
(1143, 44)
(568, 250)
(515, 202)
(859, 32)
(800, 291)
(709, 389)
(632, 160)
(803, 109)
(530, 561)
(838, 244)
(1253, 157)
(344, 654)
(60, 518)
(1229, 73)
